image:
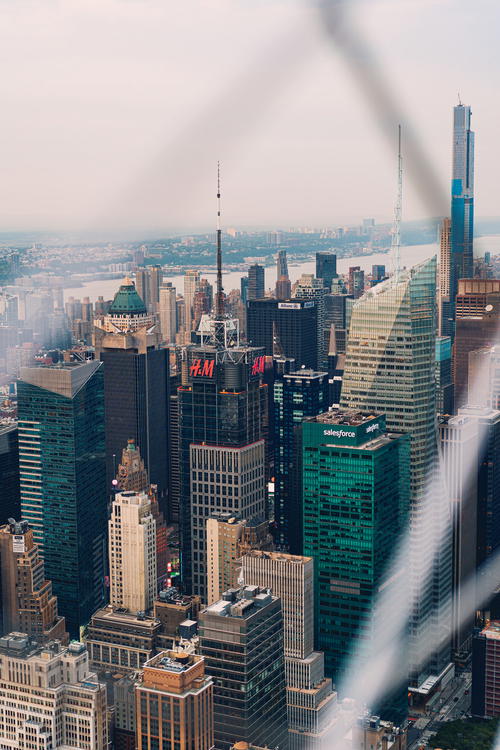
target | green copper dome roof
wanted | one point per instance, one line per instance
(127, 301)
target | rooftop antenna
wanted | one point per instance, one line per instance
(459, 100)
(396, 231)
(219, 299)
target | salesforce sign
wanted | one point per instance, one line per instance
(342, 434)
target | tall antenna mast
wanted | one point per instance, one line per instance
(219, 298)
(396, 231)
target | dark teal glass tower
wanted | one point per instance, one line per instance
(299, 394)
(355, 508)
(63, 480)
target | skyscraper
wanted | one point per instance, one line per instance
(136, 385)
(241, 638)
(299, 394)
(281, 264)
(63, 482)
(10, 507)
(445, 303)
(355, 510)
(477, 325)
(326, 268)
(462, 198)
(174, 703)
(167, 310)
(390, 369)
(256, 282)
(132, 552)
(296, 326)
(310, 288)
(191, 286)
(459, 445)
(49, 698)
(310, 699)
(27, 604)
(283, 285)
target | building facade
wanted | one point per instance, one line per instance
(355, 510)
(174, 703)
(132, 552)
(256, 282)
(296, 325)
(10, 506)
(63, 482)
(65, 705)
(241, 638)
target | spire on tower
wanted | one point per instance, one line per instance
(219, 297)
(396, 231)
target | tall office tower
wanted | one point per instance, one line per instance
(27, 602)
(241, 638)
(202, 303)
(488, 479)
(244, 289)
(358, 282)
(283, 284)
(355, 510)
(191, 286)
(132, 552)
(148, 281)
(63, 480)
(446, 304)
(167, 311)
(484, 377)
(310, 288)
(477, 325)
(444, 380)
(228, 539)
(350, 283)
(180, 307)
(296, 324)
(310, 698)
(256, 282)
(49, 698)
(390, 369)
(281, 264)
(239, 485)
(132, 477)
(336, 364)
(459, 447)
(378, 273)
(326, 268)
(221, 413)
(10, 507)
(299, 394)
(124, 712)
(136, 385)
(174, 703)
(338, 310)
(462, 199)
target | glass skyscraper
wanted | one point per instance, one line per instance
(297, 395)
(461, 230)
(390, 369)
(63, 480)
(355, 508)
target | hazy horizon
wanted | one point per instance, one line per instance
(116, 111)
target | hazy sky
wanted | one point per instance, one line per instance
(114, 112)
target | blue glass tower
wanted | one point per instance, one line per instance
(63, 480)
(462, 200)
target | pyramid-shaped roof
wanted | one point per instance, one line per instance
(127, 301)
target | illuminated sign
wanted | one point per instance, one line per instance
(338, 433)
(308, 304)
(258, 365)
(203, 368)
(289, 305)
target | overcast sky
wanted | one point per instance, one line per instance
(114, 112)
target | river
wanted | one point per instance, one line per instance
(410, 255)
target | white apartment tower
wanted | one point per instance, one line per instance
(49, 700)
(132, 552)
(167, 310)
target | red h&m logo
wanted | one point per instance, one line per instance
(203, 368)
(258, 365)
